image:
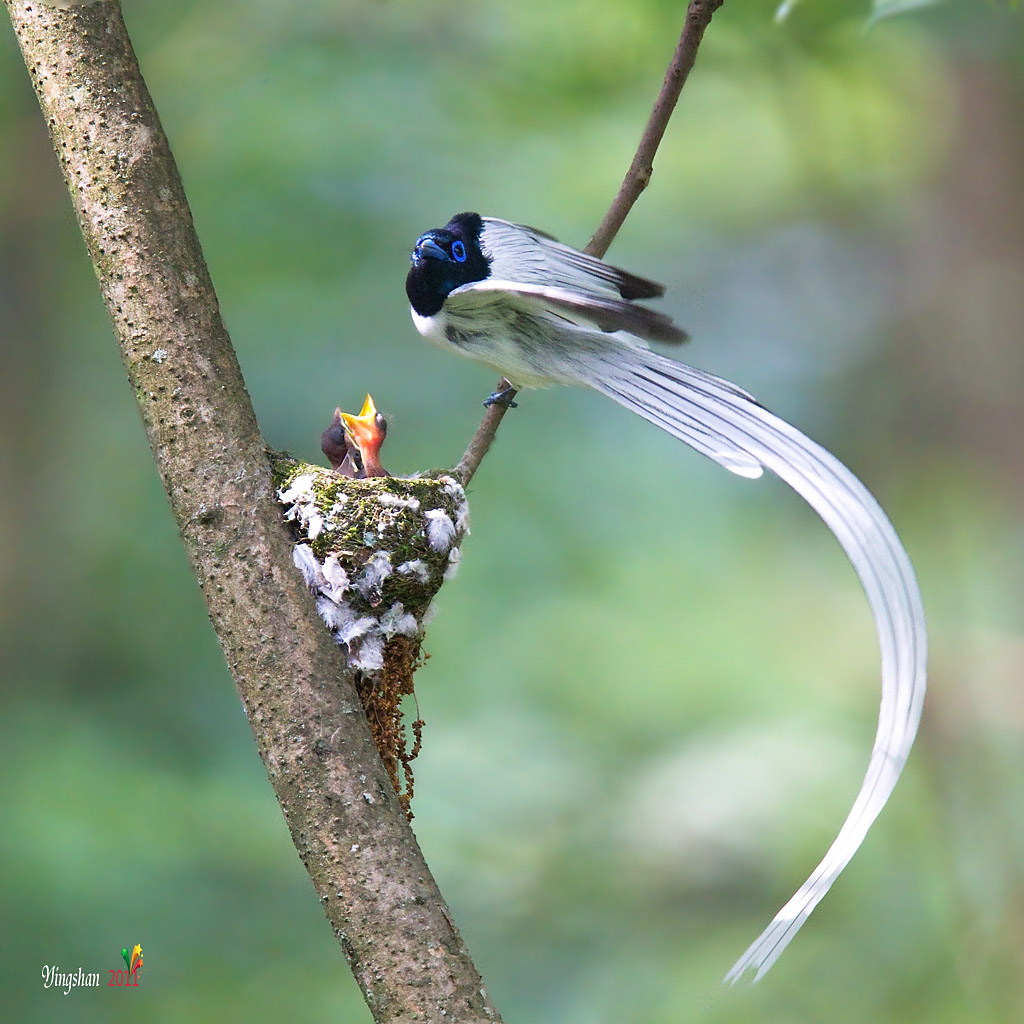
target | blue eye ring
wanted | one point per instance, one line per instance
(458, 252)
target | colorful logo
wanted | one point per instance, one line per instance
(133, 963)
(135, 960)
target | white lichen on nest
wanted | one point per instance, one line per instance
(373, 552)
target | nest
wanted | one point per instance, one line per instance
(375, 553)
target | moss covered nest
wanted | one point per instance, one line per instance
(374, 553)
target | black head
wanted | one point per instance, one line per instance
(444, 259)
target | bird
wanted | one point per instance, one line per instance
(340, 450)
(541, 313)
(365, 433)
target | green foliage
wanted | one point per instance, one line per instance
(879, 8)
(652, 687)
(887, 8)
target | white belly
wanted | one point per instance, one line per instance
(497, 349)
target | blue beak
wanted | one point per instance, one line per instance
(427, 248)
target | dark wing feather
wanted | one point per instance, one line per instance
(606, 312)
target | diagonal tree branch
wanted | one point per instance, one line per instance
(480, 443)
(344, 816)
(638, 177)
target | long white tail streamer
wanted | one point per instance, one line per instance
(726, 424)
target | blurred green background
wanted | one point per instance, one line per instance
(653, 686)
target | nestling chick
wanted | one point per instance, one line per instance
(340, 451)
(365, 433)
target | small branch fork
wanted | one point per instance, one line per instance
(638, 177)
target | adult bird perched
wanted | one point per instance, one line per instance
(543, 313)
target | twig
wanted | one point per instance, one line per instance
(481, 441)
(345, 818)
(638, 177)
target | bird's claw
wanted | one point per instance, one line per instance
(503, 397)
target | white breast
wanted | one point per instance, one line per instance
(431, 327)
(491, 342)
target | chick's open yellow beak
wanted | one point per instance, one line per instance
(362, 428)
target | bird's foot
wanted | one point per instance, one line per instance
(503, 397)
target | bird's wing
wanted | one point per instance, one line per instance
(728, 425)
(520, 253)
(606, 312)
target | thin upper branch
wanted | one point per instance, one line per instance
(344, 816)
(638, 177)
